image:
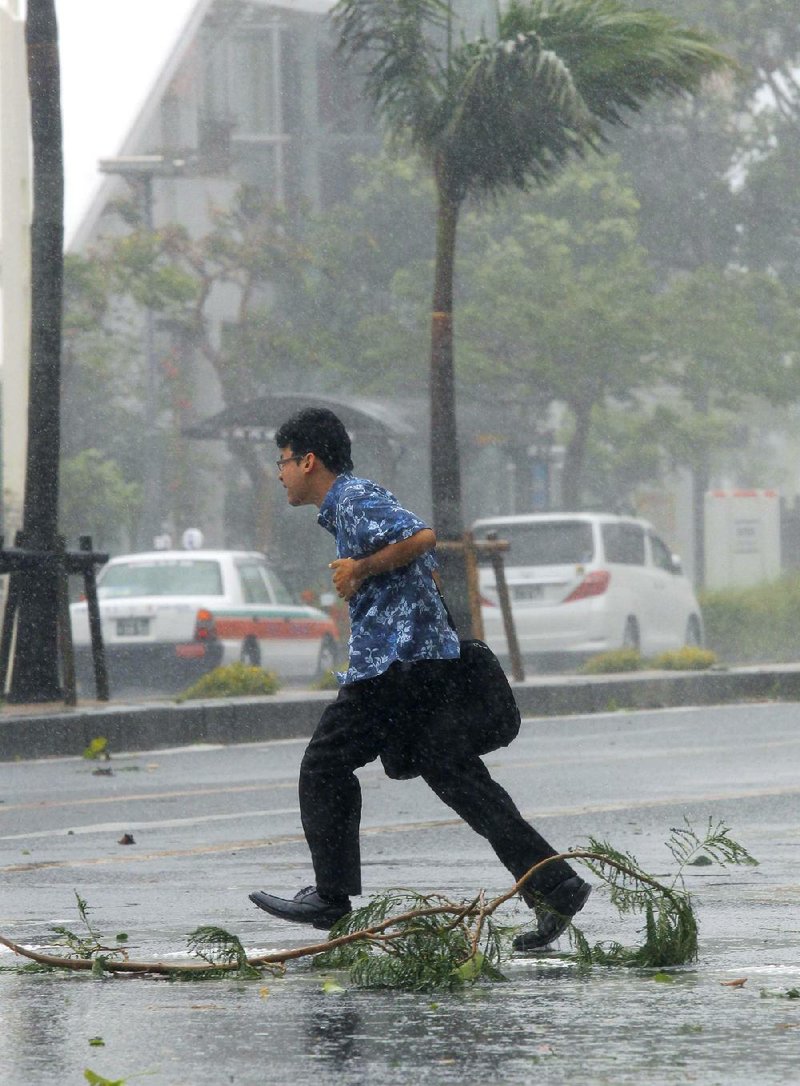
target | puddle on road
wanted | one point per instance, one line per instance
(551, 1023)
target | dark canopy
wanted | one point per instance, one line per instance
(258, 420)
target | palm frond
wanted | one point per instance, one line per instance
(619, 58)
(401, 45)
(517, 114)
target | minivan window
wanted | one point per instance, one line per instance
(624, 543)
(662, 556)
(544, 543)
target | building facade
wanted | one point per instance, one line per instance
(15, 276)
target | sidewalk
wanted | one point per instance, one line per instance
(49, 730)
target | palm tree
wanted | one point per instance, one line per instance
(492, 114)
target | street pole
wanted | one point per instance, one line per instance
(150, 524)
(35, 674)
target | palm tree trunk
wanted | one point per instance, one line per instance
(448, 517)
(35, 674)
(445, 470)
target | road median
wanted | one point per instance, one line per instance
(54, 730)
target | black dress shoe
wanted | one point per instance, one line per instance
(553, 913)
(307, 906)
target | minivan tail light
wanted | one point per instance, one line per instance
(593, 584)
(205, 628)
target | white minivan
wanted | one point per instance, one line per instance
(584, 583)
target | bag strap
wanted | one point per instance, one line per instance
(446, 608)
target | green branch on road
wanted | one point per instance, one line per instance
(409, 940)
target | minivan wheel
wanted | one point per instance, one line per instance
(630, 638)
(694, 636)
(251, 652)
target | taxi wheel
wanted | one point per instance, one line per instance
(250, 652)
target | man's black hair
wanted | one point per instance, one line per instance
(317, 430)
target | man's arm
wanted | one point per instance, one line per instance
(350, 573)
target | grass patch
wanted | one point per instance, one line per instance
(606, 663)
(232, 681)
(689, 658)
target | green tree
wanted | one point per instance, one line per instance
(97, 500)
(494, 114)
(557, 305)
(100, 394)
(728, 337)
(253, 258)
(362, 310)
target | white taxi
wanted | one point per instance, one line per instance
(175, 614)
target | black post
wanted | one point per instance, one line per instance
(35, 675)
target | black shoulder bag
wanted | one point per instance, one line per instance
(480, 693)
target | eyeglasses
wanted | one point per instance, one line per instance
(279, 464)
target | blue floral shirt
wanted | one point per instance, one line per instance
(396, 615)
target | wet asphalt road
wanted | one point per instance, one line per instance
(211, 824)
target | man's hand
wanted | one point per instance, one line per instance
(346, 579)
(350, 573)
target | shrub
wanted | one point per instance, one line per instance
(688, 658)
(326, 681)
(616, 660)
(760, 624)
(232, 681)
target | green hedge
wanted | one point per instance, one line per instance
(754, 625)
(232, 681)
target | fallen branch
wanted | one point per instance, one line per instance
(465, 946)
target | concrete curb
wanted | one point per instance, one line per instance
(39, 732)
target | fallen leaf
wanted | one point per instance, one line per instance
(738, 983)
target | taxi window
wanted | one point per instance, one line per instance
(254, 585)
(282, 593)
(178, 577)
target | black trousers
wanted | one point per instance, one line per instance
(401, 710)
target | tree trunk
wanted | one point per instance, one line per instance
(35, 673)
(701, 477)
(574, 458)
(262, 492)
(448, 517)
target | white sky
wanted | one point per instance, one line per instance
(111, 53)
